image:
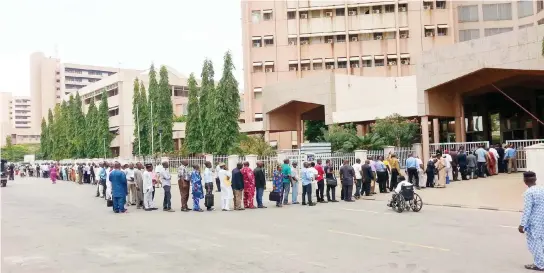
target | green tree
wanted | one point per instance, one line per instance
(80, 134)
(313, 130)
(343, 138)
(50, 133)
(136, 116)
(103, 129)
(92, 143)
(12, 152)
(55, 130)
(193, 129)
(226, 110)
(44, 140)
(165, 112)
(396, 130)
(207, 90)
(371, 141)
(255, 145)
(145, 122)
(64, 130)
(154, 109)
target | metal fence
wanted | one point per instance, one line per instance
(468, 146)
(270, 163)
(521, 154)
(375, 153)
(402, 154)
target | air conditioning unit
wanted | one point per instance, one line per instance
(329, 41)
(354, 39)
(405, 62)
(377, 11)
(429, 34)
(328, 14)
(304, 42)
(269, 70)
(303, 16)
(352, 12)
(330, 66)
(404, 36)
(392, 62)
(402, 8)
(292, 68)
(379, 37)
(256, 44)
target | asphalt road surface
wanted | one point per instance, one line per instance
(64, 228)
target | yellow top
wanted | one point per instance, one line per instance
(394, 163)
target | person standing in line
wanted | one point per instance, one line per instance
(347, 176)
(374, 176)
(287, 180)
(511, 158)
(441, 167)
(249, 186)
(295, 177)
(500, 160)
(319, 193)
(420, 173)
(87, 174)
(329, 174)
(139, 183)
(147, 187)
(449, 169)
(238, 186)
(395, 171)
(411, 169)
(208, 181)
(119, 189)
(53, 174)
(103, 176)
(91, 174)
(430, 171)
(184, 182)
(131, 197)
(166, 181)
(97, 171)
(226, 186)
(306, 178)
(260, 184)
(366, 173)
(217, 170)
(462, 161)
(108, 183)
(37, 170)
(196, 186)
(480, 155)
(532, 220)
(491, 162)
(381, 174)
(81, 173)
(278, 183)
(495, 153)
(454, 165)
(357, 167)
(472, 165)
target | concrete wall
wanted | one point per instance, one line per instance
(366, 98)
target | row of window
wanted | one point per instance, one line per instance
(88, 72)
(341, 62)
(497, 12)
(471, 34)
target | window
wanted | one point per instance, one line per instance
(255, 16)
(258, 117)
(58, 96)
(181, 91)
(340, 38)
(113, 112)
(316, 40)
(304, 40)
(378, 36)
(292, 41)
(305, 65)
(340, 12)
(256, 40)
(525, 8)
(389, 8)
(342, 63)
(429, 31)
(497, 12)
(367, 63)
(390, 35)
(268, 40)
(526, 26)
(329, 64)
(442, 30)
(539, 5)
(391, 60)
(328, 13)
(257, 95)
(113, 92)
(495, 31)
(427, 5)
(468, 34)
(404, 34)
(269, 67)
(316, 13)
(352, 11)
(318, 65)
(267, 15)
(379, 61)
(353, 37)
(377, 9)
(293, 65)
(403, 7)
(354, 62)
(467, 13)
(329, 39)
(540, 22)
(440, 4)
(303, 14)
(257, 67)
(291, 15)
(365, 10)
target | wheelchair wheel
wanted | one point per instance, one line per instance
(399, 203)
(416, 204)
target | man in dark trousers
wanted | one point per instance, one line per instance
(237, 186)
(367, 177)
(347, 176)
(462, 161)
(500, 151)
(454, 164)
(260, 184)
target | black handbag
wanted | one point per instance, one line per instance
(109, 203)
(331, 182)
(208, 200)
(274, 196)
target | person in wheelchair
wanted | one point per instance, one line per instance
(403, 187)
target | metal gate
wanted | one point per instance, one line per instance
(521, 155)
(468, 146)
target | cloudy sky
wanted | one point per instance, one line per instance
(125, 33)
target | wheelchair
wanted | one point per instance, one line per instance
(407, 199)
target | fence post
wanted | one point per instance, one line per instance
(361, 154)
(232, 161)
(387, 150)
(209, 157)
(252, 159)
(418, 149)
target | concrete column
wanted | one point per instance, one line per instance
(425, 138)
(232, 161)
(252, 159)
(460, 132)
(388, 150)
(417, 147)
(361, 154)
(436, 130)
(299, 131)
(535, 157)
(534, 111)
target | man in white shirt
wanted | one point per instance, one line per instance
(449, 169)
(357, 167)
(422, 182)
(314, 173)
(295, 178)
(397, 190)
(208, 180)
(166, 181)
(148, 187)
(226, 186)
(131, 197)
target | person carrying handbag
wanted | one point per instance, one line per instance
(331, 181)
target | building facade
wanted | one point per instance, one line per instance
(285, 41)
(15, 120)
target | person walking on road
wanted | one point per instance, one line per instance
(53, 173)
(532, 220)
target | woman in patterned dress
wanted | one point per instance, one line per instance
(53, 173)
(196, 185)
(278, 184)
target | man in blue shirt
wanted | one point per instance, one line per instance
(381, 174)
(510, 157)
(306, 177)
(480, 155)
(118, 188)
(411, 169)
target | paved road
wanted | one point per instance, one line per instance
(64, 228)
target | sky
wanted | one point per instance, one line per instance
(118, 33)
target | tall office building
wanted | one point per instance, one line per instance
(288, 40)
(15, 120)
